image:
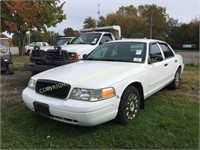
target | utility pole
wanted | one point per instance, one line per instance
(151, 23)
(98, 12)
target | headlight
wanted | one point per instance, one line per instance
(31, 84)
(92, 95)
(6, 60)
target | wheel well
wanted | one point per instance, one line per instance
(179, 68)
(139, 87)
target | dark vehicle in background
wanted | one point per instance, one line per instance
(43, 58)
(5, 55)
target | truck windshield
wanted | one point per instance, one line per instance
(87, 38)
(134, 52)
(62, 41)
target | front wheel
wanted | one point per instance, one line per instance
(129, 105)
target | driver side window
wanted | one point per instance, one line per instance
(155, 53)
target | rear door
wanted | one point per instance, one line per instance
(170, 61)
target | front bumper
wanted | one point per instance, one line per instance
(45, 66)
(76, 112)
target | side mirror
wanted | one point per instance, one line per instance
(85, 56)
(154, 59)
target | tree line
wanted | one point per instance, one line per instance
(144, 21)
(150, 21)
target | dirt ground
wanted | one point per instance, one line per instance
(12, 86)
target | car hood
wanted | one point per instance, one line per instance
(90, 74)
(77, 47)
(71, 47)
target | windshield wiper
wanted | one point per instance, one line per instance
(112, 60)
(92, 59)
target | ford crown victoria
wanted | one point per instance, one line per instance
(112, 82)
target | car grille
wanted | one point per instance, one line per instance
(52, 88)
(56, 55)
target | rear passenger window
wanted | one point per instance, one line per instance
(166, 50)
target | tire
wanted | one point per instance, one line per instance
(10, 69)
(129, 106)
(175, 83)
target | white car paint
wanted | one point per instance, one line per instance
(30, 47)
(91, 74)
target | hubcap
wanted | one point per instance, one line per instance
(132, 106)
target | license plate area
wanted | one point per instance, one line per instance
(42, 109)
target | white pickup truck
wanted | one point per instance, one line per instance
(112, 82)
(50, 57)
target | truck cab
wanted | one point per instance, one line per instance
(50, 57)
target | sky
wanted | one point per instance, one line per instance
(78, 10)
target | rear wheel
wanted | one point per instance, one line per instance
(129, 105)
(10, 69)
(175, 83)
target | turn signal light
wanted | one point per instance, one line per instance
(72, 56)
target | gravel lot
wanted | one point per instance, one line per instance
(190, 57)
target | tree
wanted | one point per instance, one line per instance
(71, 32)
(184, 34)
(101, 22)
(68, 32)
(19, 16)
(155, 16)
(136, 22)
(89, 23)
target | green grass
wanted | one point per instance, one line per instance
(19, 61)
(191, 67)
(163, 124)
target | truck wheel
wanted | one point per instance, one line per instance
(175, 83)
(129, 105)
(10, 69)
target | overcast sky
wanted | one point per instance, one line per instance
(78, 10)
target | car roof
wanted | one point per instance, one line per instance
(138, 40)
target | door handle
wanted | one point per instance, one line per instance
(165, 65)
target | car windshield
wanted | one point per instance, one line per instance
(120, 51)
(87, 38)
(32, 44)
(62, 41)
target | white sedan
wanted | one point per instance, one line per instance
(112, 82)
